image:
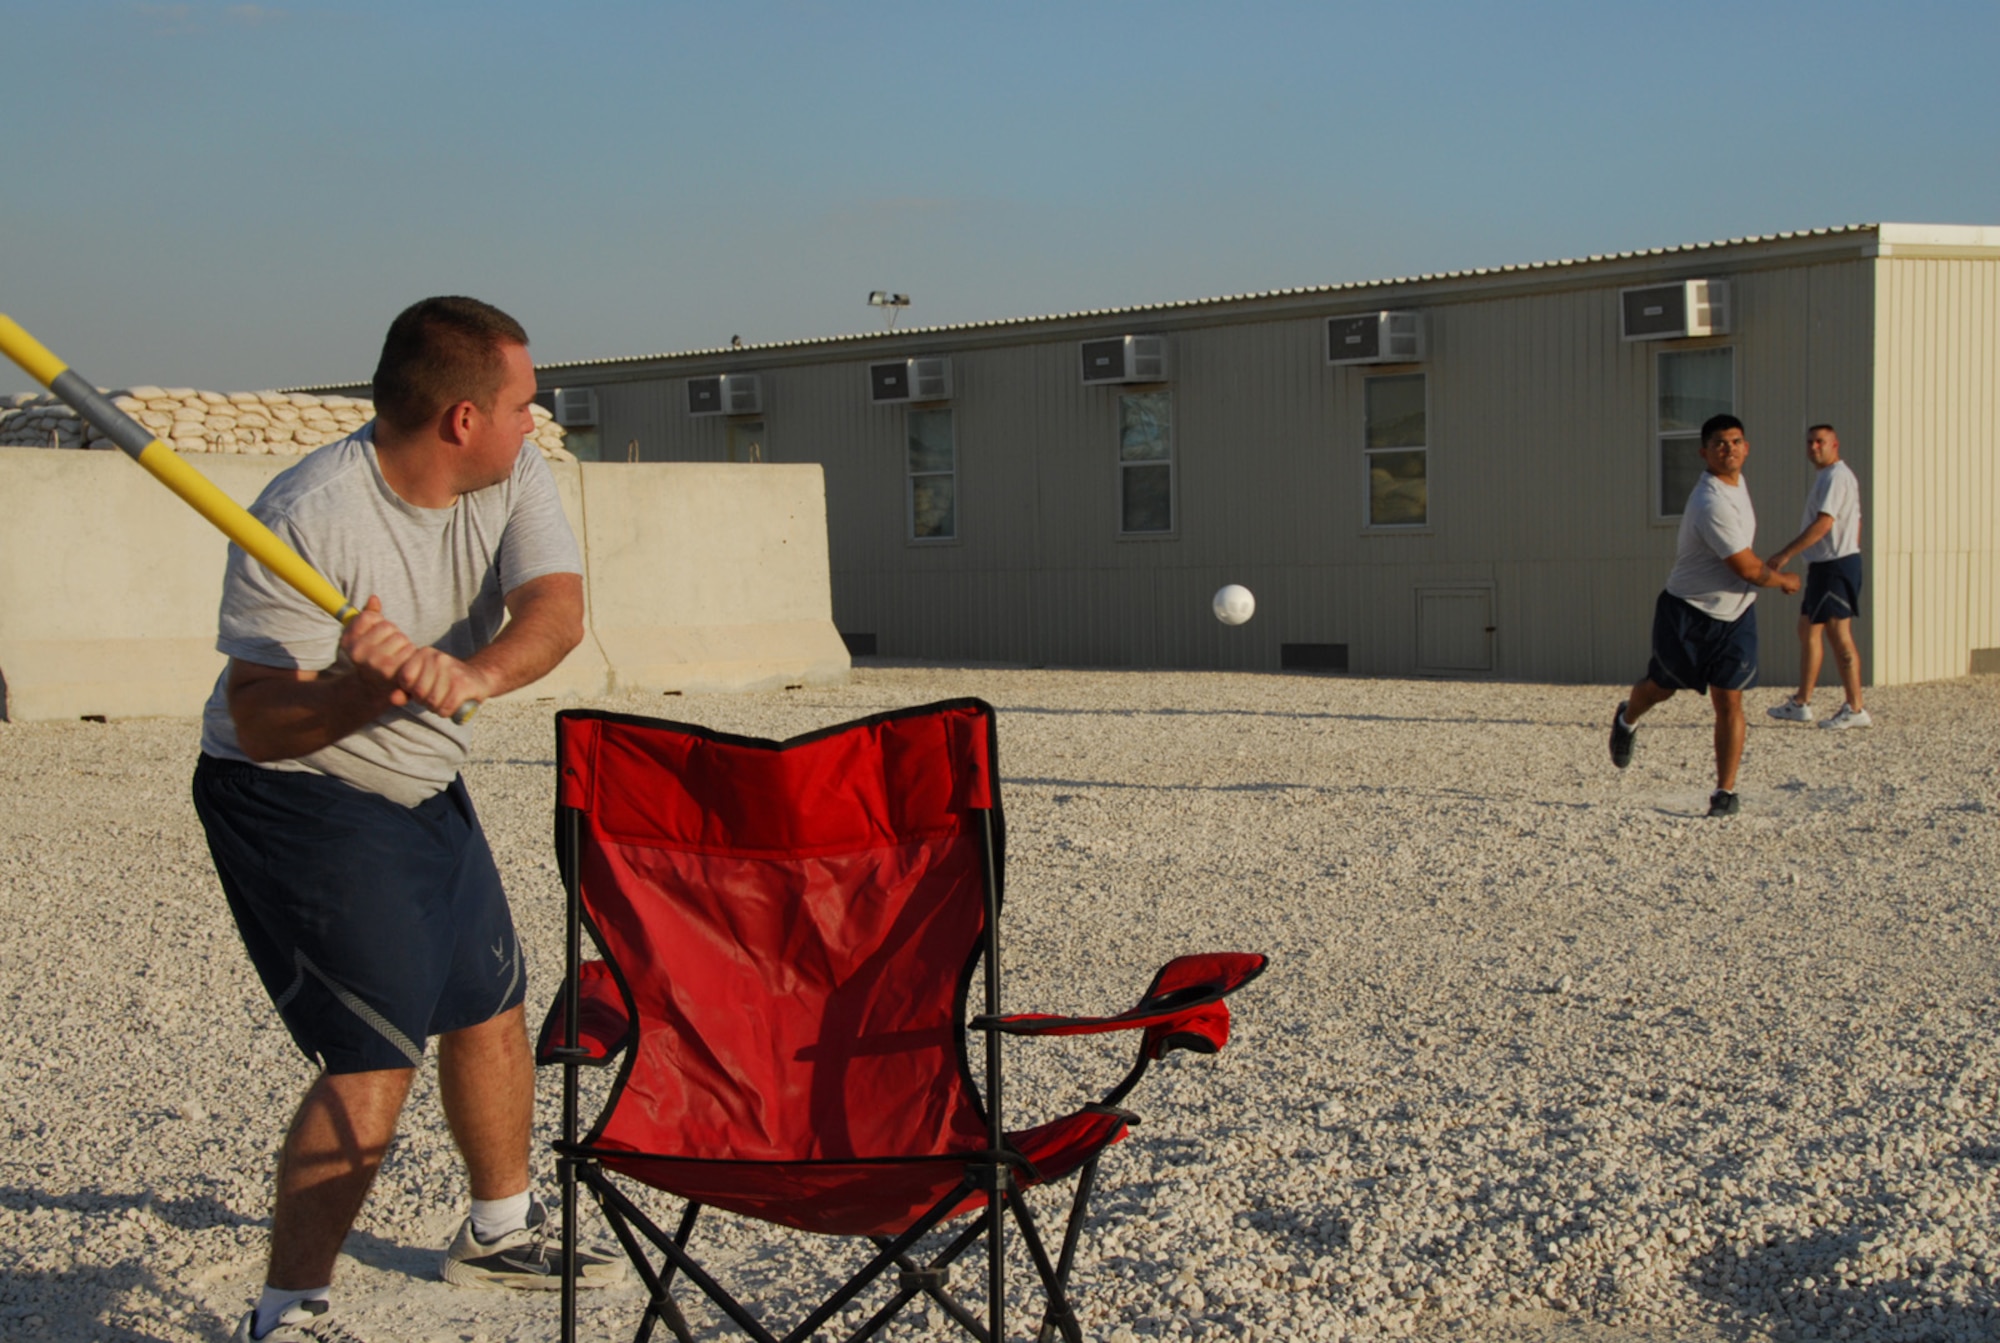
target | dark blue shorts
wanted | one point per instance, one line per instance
(1832, 590)
(373, 925)
(1692, 650)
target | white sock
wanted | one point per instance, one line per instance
(1622, 723)
(493, 1218)
(276, 1301)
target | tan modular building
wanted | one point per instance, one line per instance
(1465, 474)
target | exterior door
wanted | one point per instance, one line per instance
(1455, 630)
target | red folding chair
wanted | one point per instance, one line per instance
(789, 933)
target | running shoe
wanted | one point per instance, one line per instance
(307, 1322)
(1847, 716)
(529, 1258)
(1793, 710)
(1722, 803)
(1621, 737)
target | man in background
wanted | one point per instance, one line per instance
(1830, 540)
(1705, 622)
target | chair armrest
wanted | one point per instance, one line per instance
(1182, 1010)
(603, 1028)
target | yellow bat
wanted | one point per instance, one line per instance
(196, 490)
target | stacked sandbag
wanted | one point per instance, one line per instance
(283, 423)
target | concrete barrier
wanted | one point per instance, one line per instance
(697, 578)
(710, 577)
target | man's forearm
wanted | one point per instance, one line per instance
(282, 718)
(545, 621)
(1806, 539)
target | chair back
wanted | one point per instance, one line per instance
(793, 926)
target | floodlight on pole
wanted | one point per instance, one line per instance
(895, 303)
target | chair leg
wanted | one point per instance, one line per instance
(996, 1253)
(1078, 1207)
(1059, 1315)
(660, 1304)
(612, 1197)
(895, 1250)
(931, 1278)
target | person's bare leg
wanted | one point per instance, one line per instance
(1729, 729)
(329, 1160)
(486, 1079)
(1809, 656)
(1643, 697)
(1847, 657)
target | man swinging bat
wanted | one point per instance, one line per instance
(328, 784)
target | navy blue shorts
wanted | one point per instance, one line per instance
(1692, 650)
(1832, 590)
(373, 925)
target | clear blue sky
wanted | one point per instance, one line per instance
(240, 196)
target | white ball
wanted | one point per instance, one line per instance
(1234, 604)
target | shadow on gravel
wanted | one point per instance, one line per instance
(111, 1303)
(1790, 1289)
(185, 1214)
(1012, 710)
(387, 1256)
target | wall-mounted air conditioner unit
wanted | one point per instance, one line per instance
(725, 394)
(1125, 359)
(927, 379)
(1669, 311)
(1375, 338)
(576, 407)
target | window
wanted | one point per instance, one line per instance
(1398, 452)
(933, 472)
(1694, 384)
(746, 440)
(1146, 463)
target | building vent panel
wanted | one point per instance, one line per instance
(1375, 338)
(926, 379)
(1673, 311)
(1125, 359)
(725, 394)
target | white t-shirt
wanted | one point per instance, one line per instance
(1718, 522)
(1837, 493)
(442, 574)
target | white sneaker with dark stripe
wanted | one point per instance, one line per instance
(529, 1258)
(1793, 710)
(305, 1322)
(1847, 716)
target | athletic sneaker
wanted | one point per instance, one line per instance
(1723, 804)
(529, 1258)
(1793, 710)
(1621, 737)
(1847, 716)
(307, 1322)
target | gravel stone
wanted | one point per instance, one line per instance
(1542, 1057)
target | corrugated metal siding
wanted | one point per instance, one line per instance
(1540, 439)
(1938, 493)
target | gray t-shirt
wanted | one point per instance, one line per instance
(1718, 522)
(1836, 493)
(442, 574)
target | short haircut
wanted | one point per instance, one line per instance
(1715, 424)
(439, 352)
(1817, 428)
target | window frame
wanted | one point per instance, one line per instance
(1368, 523)
(1172, 530)
(910, 476)
(1655, 455)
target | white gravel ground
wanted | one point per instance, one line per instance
(1543, 1055)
